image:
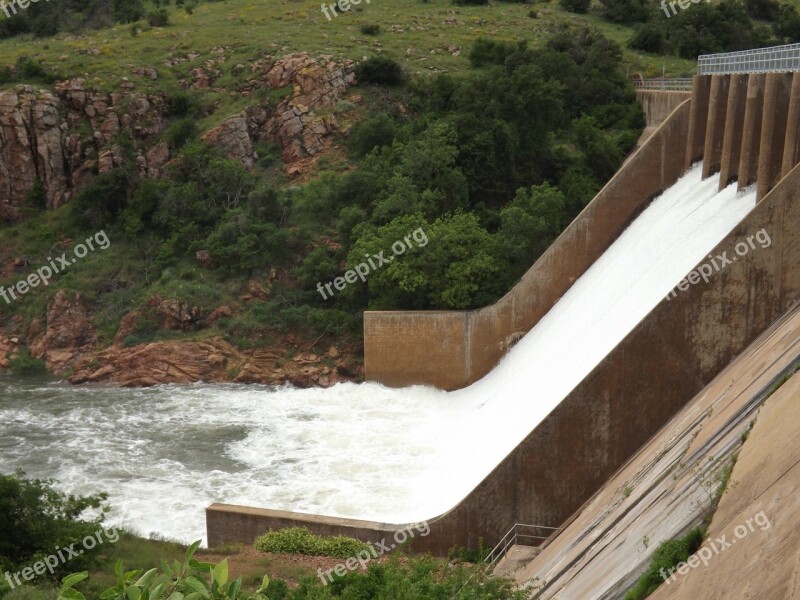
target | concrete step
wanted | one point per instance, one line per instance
(516, 558)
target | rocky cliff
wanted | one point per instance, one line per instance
(65, 136)
(62, 137)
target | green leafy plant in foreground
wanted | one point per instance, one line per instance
(191, 580)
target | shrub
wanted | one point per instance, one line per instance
(158, 18)
(380, 70)
(35, 519)
(625, 11)
(486, 51)
(666, 557)
(575, 6)
(371, 133)
(371, 29)
(648, 38)
(181, 132)
(192, 579)
(301, 541)
(180, 104)
(23, 363)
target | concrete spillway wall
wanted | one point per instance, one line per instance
(657, 106)
(397, 344)
(670, 356)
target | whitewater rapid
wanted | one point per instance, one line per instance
(363, 451)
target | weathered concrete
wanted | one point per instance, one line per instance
(763, 563)
(667, 486)
(695, 140)
(773, 131)
(751, 133)
(715, 125)
(413, 347)
(734, 124)
(227, 523)
(791, 147)
(657, 105)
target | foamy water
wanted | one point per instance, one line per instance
(364, 451)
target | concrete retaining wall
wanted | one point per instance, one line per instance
(672, 354)
(452, 349)
(657, 105)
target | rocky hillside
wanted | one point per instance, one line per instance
(62, 137)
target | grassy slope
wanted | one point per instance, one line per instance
(251, 28)
(245, 30)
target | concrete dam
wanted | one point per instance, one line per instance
(717, 168)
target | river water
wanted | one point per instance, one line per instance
(363, 451)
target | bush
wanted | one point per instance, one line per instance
(24, 364)
(575, 6)
(666, 557)
(371, 133)
(648, 38)
(301, 541)
(414, 577)
(158, 18)
(380, 70)
(192, 579)
(181, 132)
(180, 104)
(371, 29)
(35, 519)
(486, 51)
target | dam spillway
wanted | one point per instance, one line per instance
(657, 367)
(368, 452)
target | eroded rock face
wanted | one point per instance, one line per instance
(292, 124)
(62, 137)
(67, 334)
(211, 361)
(43, 135)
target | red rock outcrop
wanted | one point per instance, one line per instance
(211, 361)
(67, 335)
(62, 137)
(292, 124)
(42, 136)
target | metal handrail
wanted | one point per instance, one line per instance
(680, 84)
(511, 537)
(774, 59)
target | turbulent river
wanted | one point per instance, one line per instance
(364, 451)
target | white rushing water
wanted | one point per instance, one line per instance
(363, 451)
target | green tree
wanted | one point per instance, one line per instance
(457, 268)
(35, 519)
(530, 223)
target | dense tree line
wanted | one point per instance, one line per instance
(704, 27)
(45, 18)
(491, 166)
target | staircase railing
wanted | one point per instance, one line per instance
(520, 534)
